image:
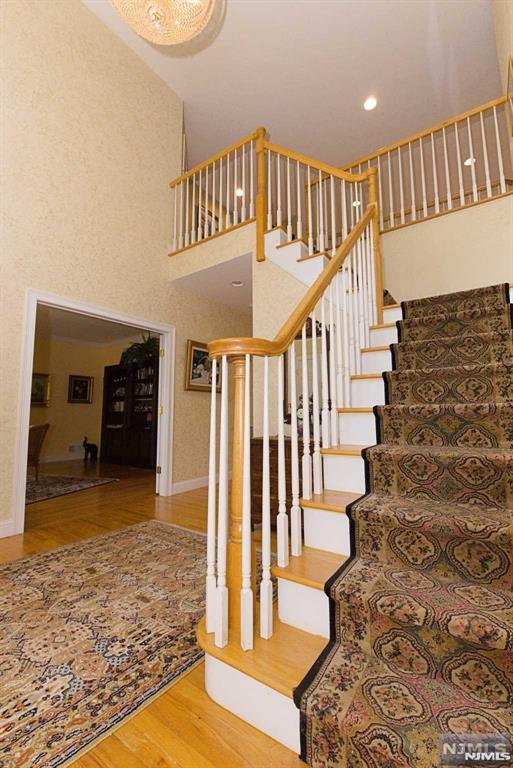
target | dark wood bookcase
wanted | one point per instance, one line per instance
(129, 419)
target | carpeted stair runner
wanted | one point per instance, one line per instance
(422, 616)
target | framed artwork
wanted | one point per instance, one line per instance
(80, 389)
(198, 368)
(40, 392)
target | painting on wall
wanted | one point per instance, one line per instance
(198, 368)
(40, 392)
(80, 389)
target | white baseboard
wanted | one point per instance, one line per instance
(189, 485)
(64, 457)
(6, 528)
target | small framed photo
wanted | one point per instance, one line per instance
(40, 393)
(80, 389)
(198, 368)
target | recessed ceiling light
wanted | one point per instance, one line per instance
(370, 103)
(356, 204)
(237, 283)
(239, 192)
(469, 161)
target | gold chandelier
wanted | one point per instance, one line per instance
(166, 22)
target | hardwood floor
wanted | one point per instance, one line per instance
(183, 727)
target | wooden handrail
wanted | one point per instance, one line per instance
(290, 329)
(426, 132)
(329, 170)
(197, 168)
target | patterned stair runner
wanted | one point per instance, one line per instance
(422, 616)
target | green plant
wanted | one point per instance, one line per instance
(141, 351)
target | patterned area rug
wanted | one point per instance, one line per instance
(50, 486)
(92, 631)
(422, 616)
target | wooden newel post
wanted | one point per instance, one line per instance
(261, 195)
(378, 267)
(234, 564)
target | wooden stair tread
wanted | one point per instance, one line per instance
(280, 662)
(312, 256)
(292, 242)
(361, 409)
(382, 325)
(312, 568)
(348, 449)
(361, 376)
(391, 306)
(331, 501)
(376, 349)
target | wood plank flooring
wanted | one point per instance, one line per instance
(183, 727)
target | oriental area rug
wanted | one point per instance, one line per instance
(421, 642)
(50, 486)
(92, 631)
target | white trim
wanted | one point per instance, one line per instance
(6, 528)
(189, 485)
(166, 390)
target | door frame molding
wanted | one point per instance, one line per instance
(33, 298)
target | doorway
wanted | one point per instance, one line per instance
(131, 395)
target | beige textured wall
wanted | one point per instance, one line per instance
(204, 255)
(90, 139)
(469, 248)
(69, 422)
(503, 23)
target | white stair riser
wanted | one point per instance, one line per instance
(344, 473)
(252, 701)
(303, 607)
(357, 428)
(392, 315)
(326, 530)
(367, 392)
(376, 362)
(382, 337)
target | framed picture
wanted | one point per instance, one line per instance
(40, 393)
(80, 389)
(198, 368)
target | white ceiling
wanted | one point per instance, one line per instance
(215, 283)
(302, 68)
(72, 326)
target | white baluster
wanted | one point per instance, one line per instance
(222, 219)
(193, 210)
(282, 520)
(458, 155)
(435, 175)
(413, 211)
(228, 214)
(213, 216)
(199, 206)
(181, 238)
(289, 203)
(211, 513)
(279, 215)
(205, 230)
(333, 219)
(485, 158)
(475, 196)
(499, 153)
(390, 192)
(401, 191)
(325, 411)
(339, 330)
(364, 286)
(175, 219)
(251, 181)
(423, 180)
(360, 295)
(355, 314)
(380, 196)
(235, 198)
(310, 218)
(322, 244)
(246, 593)
(345, 338)
(221, 628)
(187, 233)
(372, 276)
(344, 210)
(307, 459)
(299, 196)
(316, 456)
(332, 369)
(266, 587)
(325, 209)
(244, 191)
(295, 510)
(447, 173)
(269, 193)
(368, 262)
(350, 315)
